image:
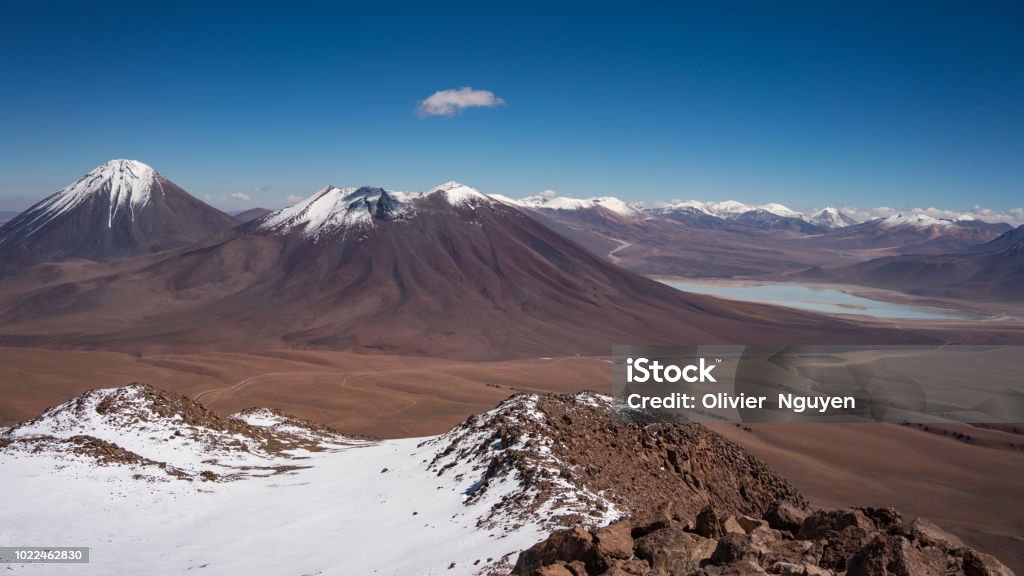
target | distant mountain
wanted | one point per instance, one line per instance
(692, 239)
(830, 217)
(6, 215)
(913, 233)
(992, 271)
(728, 209)
(446, 272)
(251, 214)
(121, 208)
(609, 203)
(769, 220)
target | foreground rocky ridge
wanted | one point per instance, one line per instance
(576, 463)
(603, 494)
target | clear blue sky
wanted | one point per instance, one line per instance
(804, 103)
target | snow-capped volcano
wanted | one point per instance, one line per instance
(830, 217)
(336, 209)
(121, 208)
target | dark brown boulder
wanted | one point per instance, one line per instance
(564, 546)
(673, 551)
(786, 516)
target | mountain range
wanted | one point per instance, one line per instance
(125, 259)
(448, 272)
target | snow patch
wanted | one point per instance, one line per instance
(437, 505)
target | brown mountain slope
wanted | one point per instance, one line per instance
(450, 273)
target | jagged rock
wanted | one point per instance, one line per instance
(561, 569)
(895, 555)
(928, 534)
(786, 516)
(749, 523)
(975, 563)
(790, 569)
(707, 523)
(743, 568)
(563, 546)
(736, 548)
(823, 522)
(615, 540)
(651, 519)
(883, 518)
(731, 526)
(673, 551)
(556, 570)
(632, 567)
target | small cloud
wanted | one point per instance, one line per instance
(241, 196)
(292, 198)
(451, 102)
(549, 194)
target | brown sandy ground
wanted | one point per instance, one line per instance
(373, 394)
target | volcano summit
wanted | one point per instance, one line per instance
(121, 208)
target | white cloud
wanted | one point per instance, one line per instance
(292, 198)
(241, 196)
(451, 102)
(549, 194)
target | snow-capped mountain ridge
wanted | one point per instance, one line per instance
(729, 209)
(921, 221)
(334, 209)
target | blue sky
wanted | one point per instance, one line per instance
(804, 103)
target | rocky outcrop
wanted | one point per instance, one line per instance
(856, 542)
(578, 464)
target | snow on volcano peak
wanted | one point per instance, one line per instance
(459, 194)
(129, 184)
(333, 209)
(831, 217)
